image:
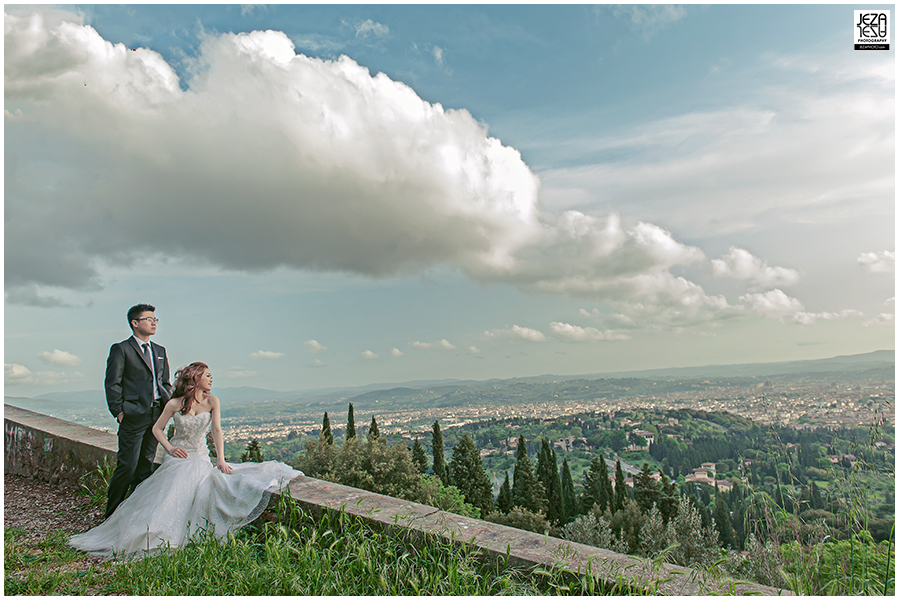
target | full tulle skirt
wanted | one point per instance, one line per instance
(182, 497)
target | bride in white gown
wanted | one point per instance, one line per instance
(187, 493)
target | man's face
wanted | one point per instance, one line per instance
(145, 324)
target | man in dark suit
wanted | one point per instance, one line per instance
(137, 387)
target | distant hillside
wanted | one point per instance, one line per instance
(89, 406)
(877, 360)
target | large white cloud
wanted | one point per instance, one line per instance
(270, 158)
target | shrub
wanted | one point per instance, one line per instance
(521, 519)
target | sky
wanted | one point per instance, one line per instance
(320, 196)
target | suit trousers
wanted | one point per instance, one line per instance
(134, 459)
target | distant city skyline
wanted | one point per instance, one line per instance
(318, 196)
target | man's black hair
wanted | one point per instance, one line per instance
(135, 312)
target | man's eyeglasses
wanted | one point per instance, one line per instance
(150, 319)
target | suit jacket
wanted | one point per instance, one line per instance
(129, 381)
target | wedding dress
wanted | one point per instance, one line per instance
(185, 495)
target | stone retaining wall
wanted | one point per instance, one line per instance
(51, 449)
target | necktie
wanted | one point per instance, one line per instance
(145, 349)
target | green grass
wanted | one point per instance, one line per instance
(298, 555)
(295, 555)
(50, 567)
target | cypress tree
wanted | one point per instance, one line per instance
(544, 471)
(621, 495)
(351, 425)
(668, 502)
(468, 475)
(373, 430)
(737, 524)
(606, 487)
(548, 474)
(815, 499)
(327, 436)
(556, 515)
(596, 482)
(437, 451)
(722, 519)
(504, 497)
(253, 452)
(256, 453)
(526, 489)
(592, 482)
(646, 491)
(569, 503)
(419, 458)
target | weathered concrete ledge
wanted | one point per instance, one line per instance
(51, 449)
(519, 547)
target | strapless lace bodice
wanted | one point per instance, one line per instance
(190, 433)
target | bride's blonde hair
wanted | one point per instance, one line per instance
(187, 380)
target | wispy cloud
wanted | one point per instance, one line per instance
(237, 372)
(443, 345)
(573, 333)
(58, 357)
(16, 374)
(369, 355)
(707, 163)
(517, 332)
(397, 352)
(368, 27)
(882, 319)
(30, 295)
(648, 20)
(266, 355)
(317, 43)
(313, 346)
(775, 304)
(806, 318)
(249, 9)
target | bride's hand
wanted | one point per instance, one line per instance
(223, 467)
(178, 452)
